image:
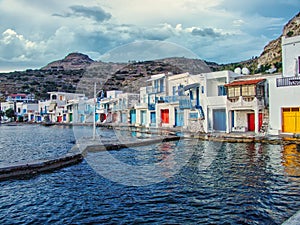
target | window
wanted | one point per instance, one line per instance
(234, 92)
(191, 95)
(248, 90)
(54, 97)
(202, 89)
(221, 90)
(194, 115)
(174, 90)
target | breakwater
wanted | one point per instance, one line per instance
(76, 155)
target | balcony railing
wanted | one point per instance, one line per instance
(287, 81)
(155, 90)
(245, 102)
(186, 103)
(171, 99)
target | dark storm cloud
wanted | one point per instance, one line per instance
(95, 13)
(206, 32)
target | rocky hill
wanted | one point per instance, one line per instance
(272, 51)
(73, 61)
(271, 54)
(77, 72)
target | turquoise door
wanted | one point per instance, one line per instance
(132, 116)
(179, 117)
(153, 118)
(143, 117)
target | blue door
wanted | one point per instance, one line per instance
(132, 116)
(124, 118)
(179, 118)
(219, 119)
(143, 117)
(82, 117)
(153, 118)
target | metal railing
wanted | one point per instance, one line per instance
(287, 81)
(154, 90)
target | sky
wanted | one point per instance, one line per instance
(34, 32)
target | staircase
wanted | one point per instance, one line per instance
(265, 123)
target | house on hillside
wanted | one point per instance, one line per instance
(20, 98)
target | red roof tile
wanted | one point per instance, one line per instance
(244, 82)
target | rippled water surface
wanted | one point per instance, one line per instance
(221, 183)
(24, 143)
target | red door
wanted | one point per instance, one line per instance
(251, 121)
(59, 119)
(165, 116)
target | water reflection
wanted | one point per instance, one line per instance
(192, 182)
(291, 160)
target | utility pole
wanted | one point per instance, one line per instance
(94, 122)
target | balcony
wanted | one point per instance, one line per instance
(172, 99)
(186, 103)
(287, 81)
(141, 106)
(244, 102)
(155, 90)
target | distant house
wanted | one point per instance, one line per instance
(56, 106)
(20, 98)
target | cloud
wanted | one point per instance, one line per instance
(14, 47)
(216, 30)
(95, 13)
(206, 32)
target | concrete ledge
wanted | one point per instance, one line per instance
(117, 146)
(294, 220)
(19, 170)
(41, 166)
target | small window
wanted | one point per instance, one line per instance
(194, 115)
(286, 109)
(174, 90)
(221, 90)
(295, 109)
(202, 89)
(54, 97)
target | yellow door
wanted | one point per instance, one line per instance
(291, 120)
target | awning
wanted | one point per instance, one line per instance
(190, 86)
(244, 82)
(156, 77)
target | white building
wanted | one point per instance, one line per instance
(55, 107)
(213, 99)
(284, 91)
(290, 56)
